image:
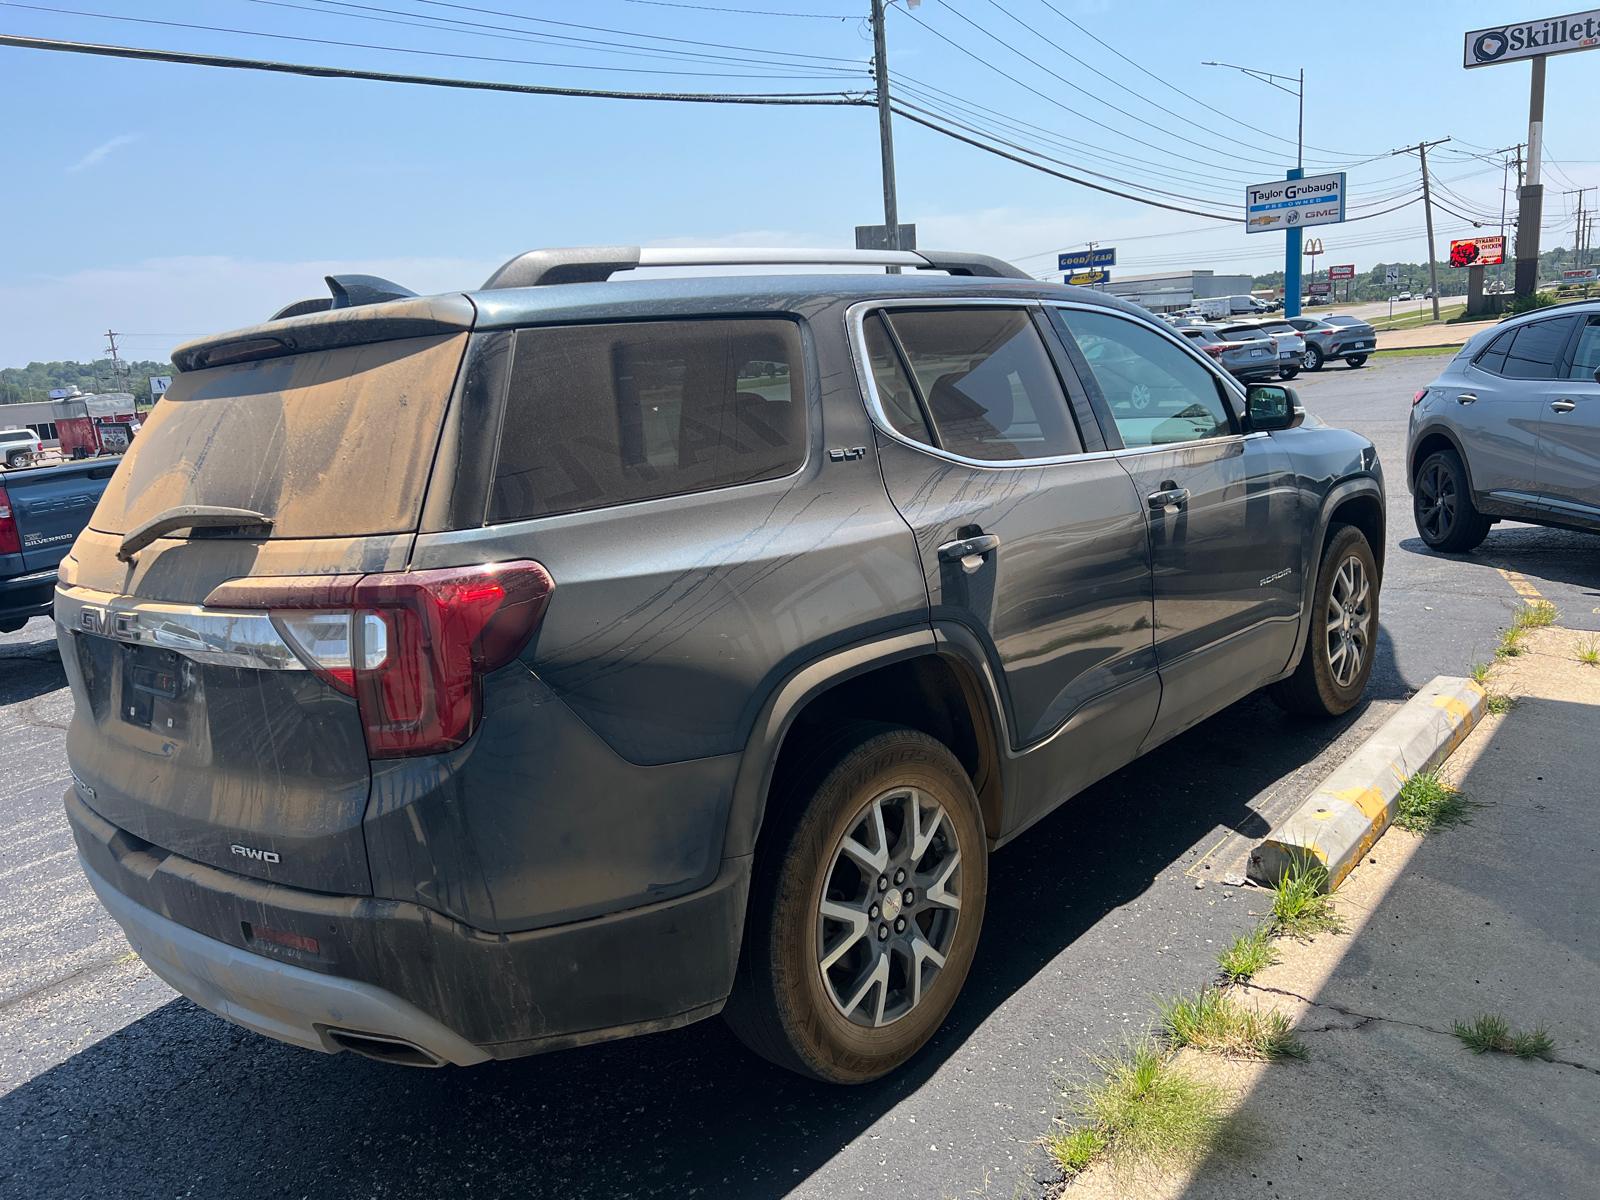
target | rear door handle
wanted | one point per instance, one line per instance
(1563, 405)
(968, 548)
(1170, 498)
(1467, 398)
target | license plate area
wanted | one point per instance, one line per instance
(159, 690)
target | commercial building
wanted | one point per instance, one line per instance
(1170, 291)
(37, 417)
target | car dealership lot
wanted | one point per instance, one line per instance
(111, 1084)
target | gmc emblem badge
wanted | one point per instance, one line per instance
(92, 619)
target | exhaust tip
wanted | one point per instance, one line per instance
(387, 1049)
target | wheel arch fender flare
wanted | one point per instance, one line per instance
(1415, 458)
(1340, 493)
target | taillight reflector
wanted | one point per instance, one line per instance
(282, 937)
(10, 539)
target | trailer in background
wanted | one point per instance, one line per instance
(89, 426)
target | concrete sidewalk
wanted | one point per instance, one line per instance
(1431, 335)
(1498, 916)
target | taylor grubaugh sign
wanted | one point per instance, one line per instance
(1286, 203)
(1529, 39)
(1478, 252)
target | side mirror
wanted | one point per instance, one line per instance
(1272, 406)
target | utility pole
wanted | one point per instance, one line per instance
(880, 65)
(116, 363)
(1577, 236)
(1427, 207)
(1530, 209)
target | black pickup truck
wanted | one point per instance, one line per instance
(42, 510)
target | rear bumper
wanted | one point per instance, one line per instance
(396, 971)
(31, 595)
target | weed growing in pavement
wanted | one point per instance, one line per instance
(1302, 901)
(1498, 703)
(1479, 673)
(1428, 803)
(1510, 642)
(1589, 651)
(1214, 1022)
(1249, 953)
(1493, 1032)
(1535, 615)
(1144, 1114)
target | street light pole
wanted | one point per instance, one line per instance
(1292, 242)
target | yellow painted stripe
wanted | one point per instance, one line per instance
(1369, 800)
(1519, 584)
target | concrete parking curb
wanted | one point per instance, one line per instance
(1342, 819)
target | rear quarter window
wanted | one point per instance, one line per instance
(599, 415)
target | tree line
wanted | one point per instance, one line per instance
(23, 385)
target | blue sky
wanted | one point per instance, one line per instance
(169, 201)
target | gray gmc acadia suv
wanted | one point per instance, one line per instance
(465, 677)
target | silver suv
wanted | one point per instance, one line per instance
(1511, 429)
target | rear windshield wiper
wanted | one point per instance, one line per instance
(189, 516)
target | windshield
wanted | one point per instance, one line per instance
(331, 443)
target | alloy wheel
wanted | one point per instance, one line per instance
(1349, 618)
(891, 900)
(1436, 501)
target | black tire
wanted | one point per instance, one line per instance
(15, 459)
(12, 626)
(1328, 681)
(783, 1005)
(1315, 358)
(1357, 360)
(1441, 505)
(1288, 373)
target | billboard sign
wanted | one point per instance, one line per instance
(1581, 275)
(1318, 289)
(1342, 272)
(1478, 252)
(1087, 260)
(1084, 277)
(1531, 39)
(1288, 203)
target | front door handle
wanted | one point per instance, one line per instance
(972, 547)
(1467, 398)
(1168, 498)
(1563, 405)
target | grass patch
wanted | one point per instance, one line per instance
(1416, 351)
(1144, 1114)
(1302, 901)
(1589, 651)
(1493, 1032)
(1428, 803)
(1535, 615)
(1214, 1022)
(1479, 673)
(1499, 703)
(1250, 952)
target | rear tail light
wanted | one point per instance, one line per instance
(411, 647)
(1417, 399)
(10, 539)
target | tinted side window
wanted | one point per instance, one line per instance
(1157, 393)
(987, 382)
(607, 414)
(1537, 348)
(1586, 355)
(1493, 359)
(895, 392)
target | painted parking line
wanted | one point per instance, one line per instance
(1520, 584)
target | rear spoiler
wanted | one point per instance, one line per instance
(353, 326)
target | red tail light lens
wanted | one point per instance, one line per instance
(1417, 399)
(10, 539)
(411, 647)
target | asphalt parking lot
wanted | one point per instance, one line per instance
(111, 1085)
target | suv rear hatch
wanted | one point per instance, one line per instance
(198, 728)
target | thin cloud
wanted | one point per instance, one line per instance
(103, 149)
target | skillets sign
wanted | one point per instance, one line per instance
(1291, 203)
(1530, 39)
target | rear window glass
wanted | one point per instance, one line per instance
(1586, 355)
(608, 414)
(1536, 349)
(336, 443)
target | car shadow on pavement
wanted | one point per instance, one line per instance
(30, 664)
(1562, 555)
(182, 1103)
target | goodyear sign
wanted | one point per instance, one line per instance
(1087, 260)
(1530, 39)
(1087, 277)
(1287, 203)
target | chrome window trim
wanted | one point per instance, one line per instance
(855, 316)
(225, 637)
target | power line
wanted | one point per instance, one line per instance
(248, 64)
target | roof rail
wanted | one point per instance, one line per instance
(595, 264)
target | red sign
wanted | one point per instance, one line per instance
(1342, 272)
(1478, 252)
(1318, 289)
